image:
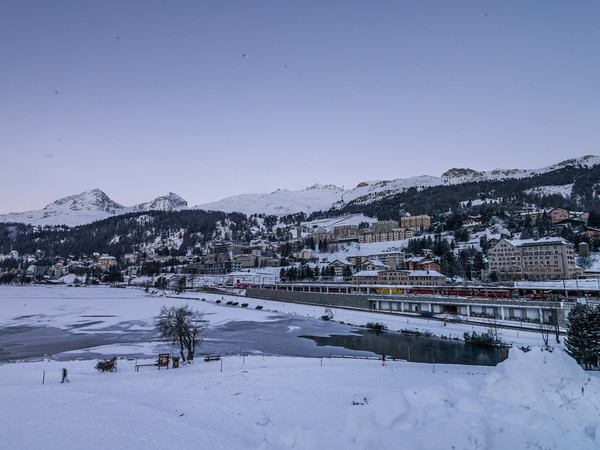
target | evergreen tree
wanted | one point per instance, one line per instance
(594, 219)
(544, 225)
(583, 334)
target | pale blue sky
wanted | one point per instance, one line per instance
(211, 99)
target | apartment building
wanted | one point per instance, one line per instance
(532, 259)
(384, 226)
(555, 214)
(345, 231)
(392, 259)
(415, 221)
(396, 234)
(105, 262)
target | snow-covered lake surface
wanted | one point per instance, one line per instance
(532, 400)
(69, 323)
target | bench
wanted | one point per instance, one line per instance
(137, 366)
(212, 358)
(162, 361)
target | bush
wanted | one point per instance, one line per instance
(377, 326)
(259, 307)
(244, 305)
(107, 365)
(488, 338)
(218, 301)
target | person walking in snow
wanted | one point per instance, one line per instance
(64, 376)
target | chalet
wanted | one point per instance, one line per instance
(342, 267)
(472, 221)
(589, 232)
(421, 263)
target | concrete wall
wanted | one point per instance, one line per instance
(314, 298)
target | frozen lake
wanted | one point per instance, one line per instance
(68, 323)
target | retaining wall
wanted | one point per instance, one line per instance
(313, 298)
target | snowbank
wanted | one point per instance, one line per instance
(532, 400)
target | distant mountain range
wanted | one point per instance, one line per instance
(325, 197)
(90, 206)
(95, 205)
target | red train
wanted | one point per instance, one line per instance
(459, 291)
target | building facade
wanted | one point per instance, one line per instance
(384, 226)
(415, 221)
(532, 259)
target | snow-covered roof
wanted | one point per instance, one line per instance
(539, 241)
(375, 262)
(366, 273)
(343, 261)
(425, 273)
(414, 259)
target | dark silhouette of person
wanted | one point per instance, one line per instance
(64, 376)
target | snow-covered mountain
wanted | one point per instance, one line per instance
(319, 197)
(96, 205)
(370, 191)
(281, 202)
(88, 207)
(169, 202)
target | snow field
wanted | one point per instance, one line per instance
(532, 400)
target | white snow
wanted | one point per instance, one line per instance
(563, 190)
(532, 400)
(95, 205)
(282, 202)
(87, 207)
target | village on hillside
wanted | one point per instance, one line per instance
(489, 254)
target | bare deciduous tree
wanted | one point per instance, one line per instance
(182, 325)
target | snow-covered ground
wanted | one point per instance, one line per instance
(532, 400)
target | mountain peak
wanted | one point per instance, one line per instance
(90, 200)
(461, 173)
(170, 202)
(327, 187)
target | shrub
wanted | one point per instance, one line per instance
(259, 307)
(244, 305)
(377, 326)
(218, 301)
(488, 338)
(107, 365)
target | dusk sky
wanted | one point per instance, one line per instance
(210, 99)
